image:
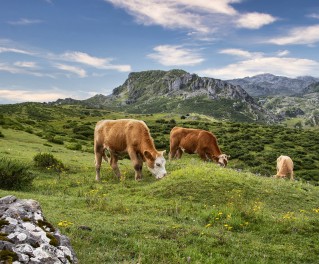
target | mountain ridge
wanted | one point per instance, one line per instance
(177, 90)
(268, 84)
(181, 92)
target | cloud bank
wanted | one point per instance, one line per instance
(257, 63)
(199, 16)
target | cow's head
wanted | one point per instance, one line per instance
(222, 160)
(156, 163)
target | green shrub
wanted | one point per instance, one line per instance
(48, 161)
(55, 140)
(73, 146)
(14, 175)
(1, 135)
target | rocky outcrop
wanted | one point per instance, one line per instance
(269, 84)
(26, 236)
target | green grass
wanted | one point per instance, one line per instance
(199, 213)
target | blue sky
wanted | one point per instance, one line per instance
(52, 49)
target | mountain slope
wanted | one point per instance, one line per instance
(303, 105)
(182, 92)
(268, 84)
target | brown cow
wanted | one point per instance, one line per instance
(285, 167)
(199, 141)
(127, 136)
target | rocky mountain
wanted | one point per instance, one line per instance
(303, 106)
(268, 84)
(312, 88)
(182, 92)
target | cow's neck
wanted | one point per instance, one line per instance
(148, 145)
(217, 151)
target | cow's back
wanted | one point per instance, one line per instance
(118, 134)
(191, 139)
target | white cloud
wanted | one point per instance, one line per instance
(68, 68)
(199, 16)
(99, 63)
(313, 15)
(254, 20)
(26, 64)
(31, 96)
(11, 69)
(299, 35)
(291, 67)
(167, 13)
(24, 68)
(170, 55)
(85, 59)
(24, 22)
(13, 50)
(241, 53)
(282, 53)
(216, 6)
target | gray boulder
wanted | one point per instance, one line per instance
(26, 236)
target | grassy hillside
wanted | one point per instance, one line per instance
(252, 147)
(199, 213)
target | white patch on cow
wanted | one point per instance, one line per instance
(159, 170)
(222, 160)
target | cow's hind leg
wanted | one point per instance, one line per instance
(113, 163)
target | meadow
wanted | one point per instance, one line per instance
(198, 213)
(253, 147)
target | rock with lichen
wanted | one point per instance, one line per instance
(26, 236)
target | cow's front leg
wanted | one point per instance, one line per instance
(179, 153)
(114, 166)
(175, 153)
(291, 174)
(98, 161)
(203, 155)
(137, 164)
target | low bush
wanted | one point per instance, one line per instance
(48, 161)
(14, 175)
(56, 140)
(73, 146)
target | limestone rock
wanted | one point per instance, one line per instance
(26, 236)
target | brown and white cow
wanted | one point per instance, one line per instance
(127, 136)
(285, 167)
(199, 141)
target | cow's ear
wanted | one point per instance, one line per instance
(163, 152)
(148, 155)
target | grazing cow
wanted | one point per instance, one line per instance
(127, 136)
(199, 141)
(285, 166)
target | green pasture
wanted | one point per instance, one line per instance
(198, 213)
(253, 147)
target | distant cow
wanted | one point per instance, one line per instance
(285, 167)
(199, 141)
(127, 136)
